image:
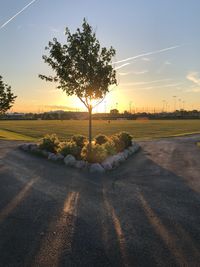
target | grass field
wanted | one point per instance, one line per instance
(141, 130)
(9, 135)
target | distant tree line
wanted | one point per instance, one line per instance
(67, 115)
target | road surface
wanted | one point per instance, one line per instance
(145, 213)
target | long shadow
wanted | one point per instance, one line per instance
(59, 234)
(29, 206)
(158, 214)
(54, 224)
(10, 187)
(138, 215)
(86, 245)
(23, 229)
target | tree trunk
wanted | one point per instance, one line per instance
(90, 127)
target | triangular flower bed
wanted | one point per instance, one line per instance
(106, 153)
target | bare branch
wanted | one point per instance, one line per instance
(86, 101)
(83, 101)
(101, 100)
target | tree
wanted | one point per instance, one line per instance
(82, 67)
(114, 111)
(7, 98)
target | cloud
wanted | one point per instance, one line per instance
(133, 72)
(167, 63)
(193, 90)
(148, 54)
(144, 83)
(194, 77)
(173, 85)
(49, 91)
(58, 107)
(164, 66)
(18, 13)
(146, 59)
(140, 72)
(121, 66)
(55, 30)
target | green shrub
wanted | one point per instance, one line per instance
(49, 143)
(69, 147)
(119, 143)
(110, 147)
(97, 154)
(79, 139)
(126, 138)
(101, 139)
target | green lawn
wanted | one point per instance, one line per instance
(8, 135)
(141, 130)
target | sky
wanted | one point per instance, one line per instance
(157, 46)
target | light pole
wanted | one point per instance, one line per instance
(179, 103)
(174, 102)
(183, 104)
(130, 105)
(163, 109)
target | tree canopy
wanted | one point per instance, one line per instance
(82, 67)
(7, 98)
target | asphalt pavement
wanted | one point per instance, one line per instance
(144, 213)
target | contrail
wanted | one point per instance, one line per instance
(24, 8)
(121, 66)
(148, 54)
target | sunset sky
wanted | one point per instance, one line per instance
(157, 46)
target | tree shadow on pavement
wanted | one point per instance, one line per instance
(158, 212)
(140, 214)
